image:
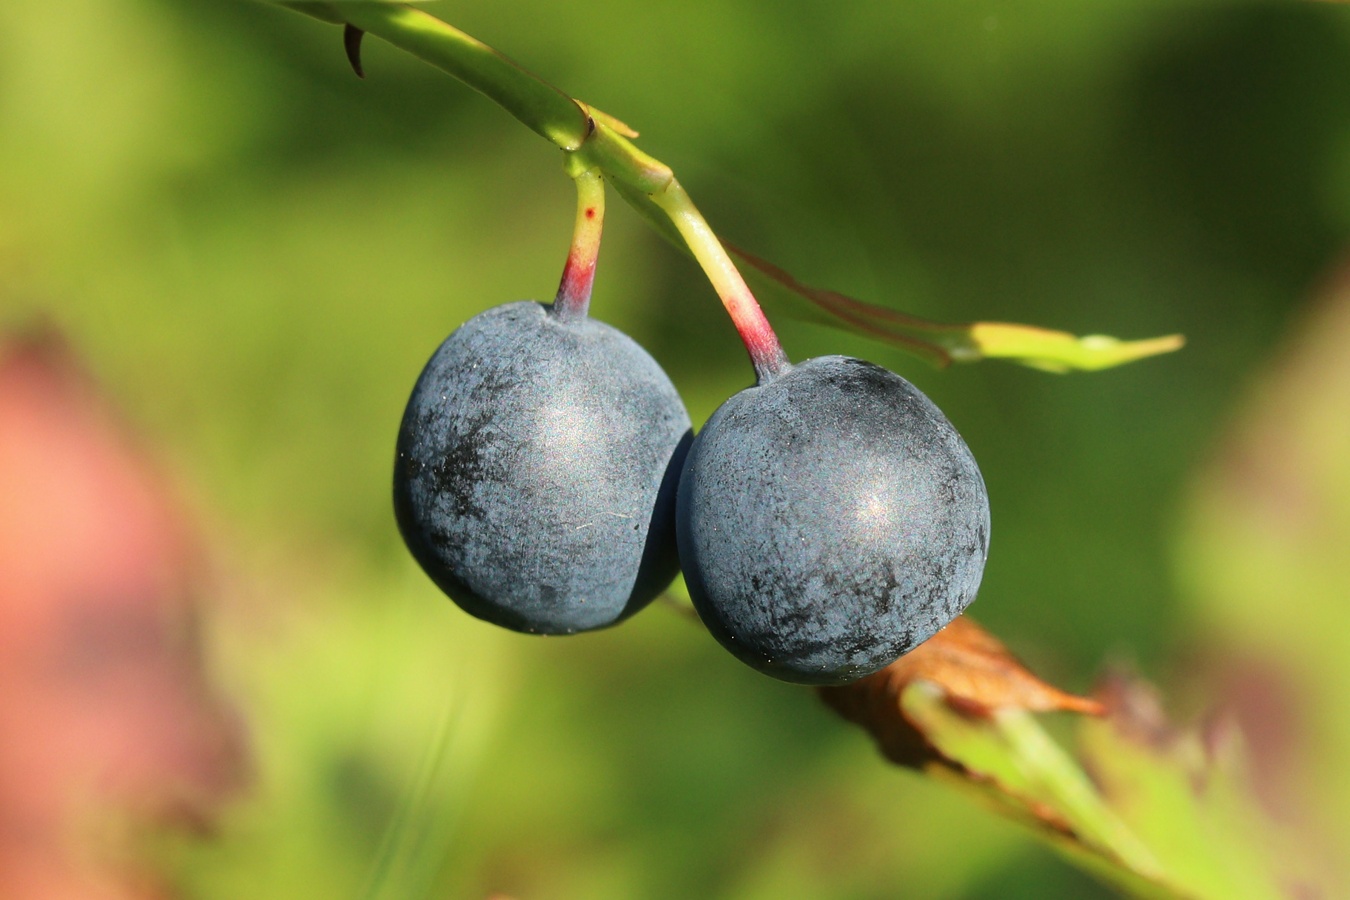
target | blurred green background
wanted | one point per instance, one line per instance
(257, 252)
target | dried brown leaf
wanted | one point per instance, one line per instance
(976, 675)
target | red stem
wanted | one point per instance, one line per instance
(574, 289)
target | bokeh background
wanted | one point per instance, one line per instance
(254, 253)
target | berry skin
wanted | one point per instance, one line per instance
(535, 474)
(830, 520)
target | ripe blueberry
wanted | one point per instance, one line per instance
(829, 520)
(536, 468)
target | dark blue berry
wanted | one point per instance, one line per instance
(536, 471)
(830, 520)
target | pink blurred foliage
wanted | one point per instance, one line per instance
(110, 728)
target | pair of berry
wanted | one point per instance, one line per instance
(827, 520)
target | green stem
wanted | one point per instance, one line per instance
(535, 102)
(593, 140)
(766, 353)
(643, 181)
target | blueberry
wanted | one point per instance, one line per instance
(536, 467)
(830, 520)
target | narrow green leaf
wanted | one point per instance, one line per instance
(1059, 351)
(1162, 814)
(1191, 800)
(942, 343)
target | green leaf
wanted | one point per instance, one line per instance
(1059, 351)
(1010, 764)
(944, 343)
(1188, 797)
(1162, 813)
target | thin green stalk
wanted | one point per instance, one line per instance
(541, 106)
(396, 858)
(649, 184)
(766, 353)
(592, 140)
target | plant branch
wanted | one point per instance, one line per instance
(605, 143)
(536, 103)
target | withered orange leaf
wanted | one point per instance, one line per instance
(976, 675)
